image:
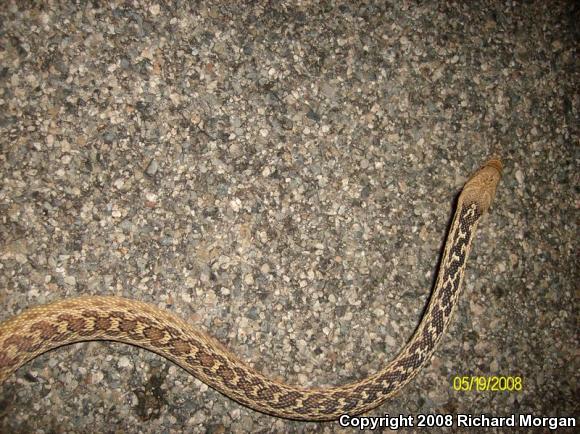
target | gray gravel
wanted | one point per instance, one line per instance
(283, 175)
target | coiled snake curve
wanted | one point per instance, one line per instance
(42, 328)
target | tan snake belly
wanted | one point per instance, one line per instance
(43, 328)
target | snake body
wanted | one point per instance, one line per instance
(42, 328)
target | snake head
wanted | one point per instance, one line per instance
(480, 188)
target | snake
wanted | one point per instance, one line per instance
(110, 318)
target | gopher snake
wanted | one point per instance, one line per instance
(43, 328)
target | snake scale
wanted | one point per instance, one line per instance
(42, 328)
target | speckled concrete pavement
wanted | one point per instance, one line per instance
(283, 175)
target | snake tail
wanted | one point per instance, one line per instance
(43, 328)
